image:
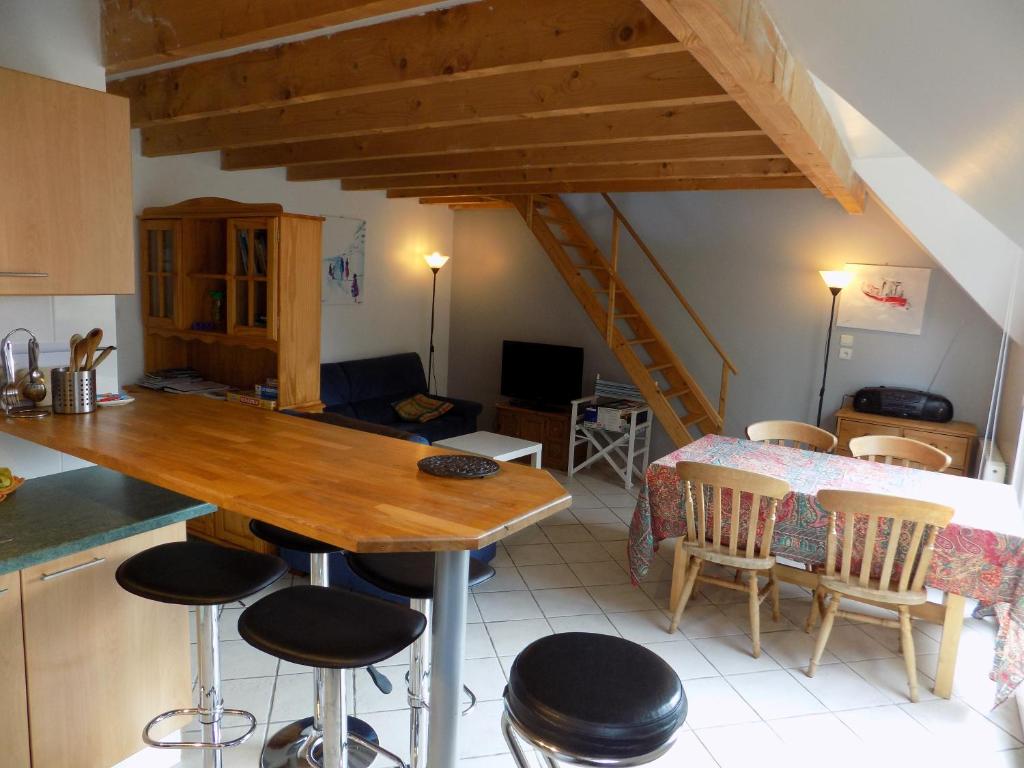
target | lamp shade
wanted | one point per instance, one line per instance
(836, 279)
(435, 260)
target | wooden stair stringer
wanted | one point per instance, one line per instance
(681, 384)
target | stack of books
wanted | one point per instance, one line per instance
(261, 396)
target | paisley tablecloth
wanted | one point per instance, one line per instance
(979, 555)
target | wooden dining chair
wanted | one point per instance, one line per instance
(894, 538)
(795, 434)
(730, 520)
(902, 451)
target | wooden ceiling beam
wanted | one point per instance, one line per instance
(733, 147)
(661, 80)
(463, 42)
(701, 121)
(593, 187)
(740, 46)
(145, 33)
(686, 169)
(463, 200)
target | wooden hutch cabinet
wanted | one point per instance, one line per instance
(233, 290)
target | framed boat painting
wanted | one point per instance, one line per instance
(885, 298)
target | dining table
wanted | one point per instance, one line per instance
(979, 555)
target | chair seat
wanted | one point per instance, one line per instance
(198, 573)
(595, 696)
(409, 574)
(281, 537)
(873, 593)
(329, 627)
(722, 556)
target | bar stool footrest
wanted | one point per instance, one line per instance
(192, 711)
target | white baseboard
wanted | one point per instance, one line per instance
(151, 757)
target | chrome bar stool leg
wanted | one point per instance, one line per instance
(419, 663)
(304, 743)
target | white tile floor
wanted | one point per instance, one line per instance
(569, 574)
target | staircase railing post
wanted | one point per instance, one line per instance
(723, 392)
(613, 278)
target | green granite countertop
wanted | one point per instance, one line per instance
(59, 515)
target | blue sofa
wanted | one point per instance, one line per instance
(366, 389)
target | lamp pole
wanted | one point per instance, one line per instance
(828, 345)
(433, 300)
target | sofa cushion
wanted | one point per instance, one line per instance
(390, 378)
(377, 410)
(334, 388)
(421, 408)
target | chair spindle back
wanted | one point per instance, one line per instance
(893, 535)
(795, 434)
(901, 451)
(702, 481)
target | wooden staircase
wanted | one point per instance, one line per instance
(676, 399)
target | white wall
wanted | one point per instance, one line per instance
(748, 262)
(59, 39)
(396, 314)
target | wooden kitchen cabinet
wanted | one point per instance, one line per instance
(100, 662)
(13, 713)
(65, 189)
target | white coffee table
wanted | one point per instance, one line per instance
(497, 447)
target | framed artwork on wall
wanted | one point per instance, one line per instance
(885, 298)
(343, 270)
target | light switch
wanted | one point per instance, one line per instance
(846, 353)
(846, 340)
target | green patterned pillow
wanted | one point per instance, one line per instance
(421, 408)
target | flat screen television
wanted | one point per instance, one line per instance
(541, 374)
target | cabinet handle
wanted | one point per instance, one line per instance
(24, 274)
(72, 569)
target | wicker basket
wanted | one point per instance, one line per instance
(5, 492)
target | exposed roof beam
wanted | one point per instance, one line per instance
(628, 126)
(733, 147)
(467, 200)
(738, 43)
(662, 80)
(651, 185)
(686, 169)
(143, 33)
(463, 42)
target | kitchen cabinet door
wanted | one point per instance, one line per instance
(13, 713)
(65, 189)
(100, 662)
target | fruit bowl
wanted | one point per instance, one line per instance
(15, 484)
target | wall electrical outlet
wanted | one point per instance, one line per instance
(846, 340)
(846, 353)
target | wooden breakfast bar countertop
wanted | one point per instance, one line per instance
(360, 491)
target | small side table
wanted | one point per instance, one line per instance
(497, 447)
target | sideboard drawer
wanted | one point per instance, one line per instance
(849, 429)
(956, 447)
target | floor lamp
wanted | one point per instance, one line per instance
(836, 281)
(435, 261)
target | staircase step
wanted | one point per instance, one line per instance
(556, 219)
(576, 244)
(693, 418)
(626, 316)
(675, 392)
(647, 340)
(597, 267)
(662, 367)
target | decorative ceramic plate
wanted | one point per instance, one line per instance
(112, 400)
(458, 465)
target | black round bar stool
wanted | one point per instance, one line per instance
(332, 630)
(282, 747)
(411, 575)
(206, 576)
(593, 700)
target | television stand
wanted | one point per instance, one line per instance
(528, 405)
(550, 428)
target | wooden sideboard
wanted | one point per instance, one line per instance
(957, 438)
(549, 428)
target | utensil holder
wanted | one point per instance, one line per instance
(73, 391)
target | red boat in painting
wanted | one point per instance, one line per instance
(891, 292)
